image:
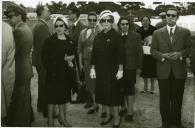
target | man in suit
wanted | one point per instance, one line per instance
(171, 47)
(163, 22)
(20, 112)
(40, 33)
(7, 69)
(193, 57)
(76, 26)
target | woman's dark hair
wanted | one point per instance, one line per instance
(92, 14)
(146, 17)
(123, 18)
(59, 19)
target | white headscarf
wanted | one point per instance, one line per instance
(63, 18)
(105, 13)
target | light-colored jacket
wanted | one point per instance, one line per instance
(7, 67)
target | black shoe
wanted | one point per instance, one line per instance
(107, 121)
(123, 112)
(91, 111)
(118, 125)
(88, 105)
(129, 118)
(164, 126)
(103, 115)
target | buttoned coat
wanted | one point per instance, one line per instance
(133, 51)
(161, 43)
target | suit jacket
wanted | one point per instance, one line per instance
(76, 33)
(133, 51)
(40, 34)
(161, 43)
(7, 67)
(23, 40)
(193, 56)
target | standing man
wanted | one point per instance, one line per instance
(163, 22)
(7, 69)
(75, 28)
(193, 57)
(20, 112)
(40, 33)
(171, 47)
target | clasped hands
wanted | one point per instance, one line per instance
(119, 74)
(172, 55)
(69, 60)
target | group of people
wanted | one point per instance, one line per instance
(108, 57)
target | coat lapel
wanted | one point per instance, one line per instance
(166, 36)
(176, 35)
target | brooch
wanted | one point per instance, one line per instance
(108, 40)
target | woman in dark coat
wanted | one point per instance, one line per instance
(149, 63)
(58, 53)
(107, 68)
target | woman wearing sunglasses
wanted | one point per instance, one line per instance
(58, 53)
(107, 69)
(133, 62)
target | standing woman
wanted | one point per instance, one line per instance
(133, 62)
(149, 63)
(85, 45)
(57, 56)
(107, 68)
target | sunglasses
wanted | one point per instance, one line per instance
(106, 20)
(92, 20)
(61, 25)
(172, 15)
(123, 24)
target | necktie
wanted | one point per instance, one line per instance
(73, 28)
(171, 32)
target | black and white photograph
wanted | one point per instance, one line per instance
(96, 64)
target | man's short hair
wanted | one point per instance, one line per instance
(17, 11)
(74, 11)
(39, 10)
(174, 9)
(92, 14)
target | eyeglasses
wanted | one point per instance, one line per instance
(92, 20)
(123, 24)
(61, 25)
(172, 15)
(106, 20)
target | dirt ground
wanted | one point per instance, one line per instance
(147, 113)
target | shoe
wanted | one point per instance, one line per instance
(123, 112)
(64, 124)
(129, 118)
(118, 125)
(164, 126)
(91, 111)
(107, 121)
(144, 91)
(103, 115)
(88, 105)
(151, 92)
